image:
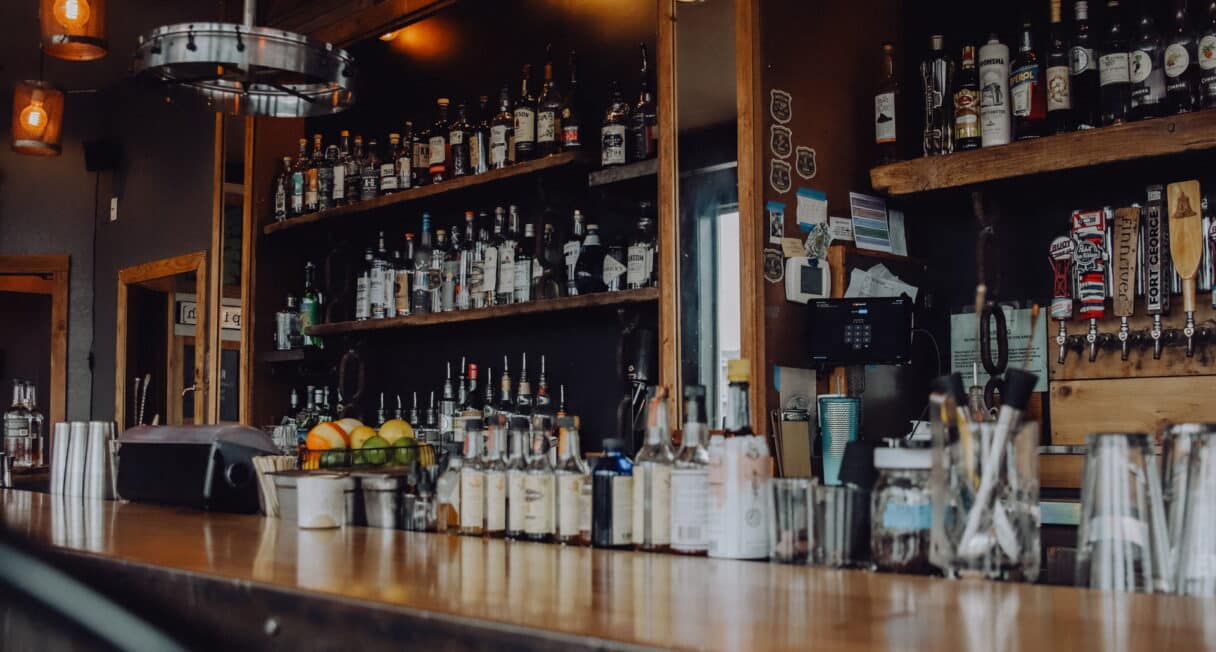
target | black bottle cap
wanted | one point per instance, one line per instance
(1018, 386)
(857, 465)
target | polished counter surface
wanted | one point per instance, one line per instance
(636, 599)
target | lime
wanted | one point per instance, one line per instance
(406, 452)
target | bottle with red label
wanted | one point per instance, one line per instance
(1027, 90)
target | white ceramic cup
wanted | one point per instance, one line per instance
(322, 501)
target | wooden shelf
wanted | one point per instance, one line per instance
(644, 295)
(1189, 132)
(647, 168)
(460, 183)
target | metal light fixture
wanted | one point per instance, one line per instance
(37, 118)
(248, 70)
(73, 29)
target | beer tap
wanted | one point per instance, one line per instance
(1186, 247)
(1156, 266)
(1089, 270)
(1126, 234)
(1060, 257)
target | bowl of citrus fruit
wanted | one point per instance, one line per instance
(350, 443)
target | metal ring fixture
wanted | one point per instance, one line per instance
(249, 70)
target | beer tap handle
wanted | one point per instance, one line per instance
(1186, 247)
(1060, 258)
(1126, 235)
(1089, 270)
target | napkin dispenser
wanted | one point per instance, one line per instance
(206, 467)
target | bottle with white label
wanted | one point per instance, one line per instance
(572, 480)
(494, 465)
(501, 131)
(1181, 64)
(1114, 70)
(1059, 76)
(690, 479)
(549, 112)
(390, 178)
(438, 167)
(1083, 68)
(739, 468)
(613, 128)
(612, 498)
(994, 92)
(539, 492)
(363, 290)
(639, 262)
(369, 165)
(1207, 60)
(523, 266)
(404, 270)
(506, 259)
(517, 470)
(570, 252)
(652, 478)
(472, 483)
(524, 114)
(1147, 71)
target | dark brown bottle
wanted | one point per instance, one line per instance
(644, 120)
(1083, 70)
(460, 132)
(502, 129)
(549, 113)
(1207, 60)
(438, 150)
(525, 118)
(1059, 79)
(1147, 71)
(572, 114)
(1114, 69)
(1027, 91)
(967, 103)
(886, 105)
(1181, 64)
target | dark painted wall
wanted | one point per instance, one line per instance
(25, 348)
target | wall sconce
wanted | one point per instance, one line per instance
(74, 29)
(37, 118)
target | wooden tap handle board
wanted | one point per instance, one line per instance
(1157, 269)
(1060, 257)
(1126, 234)
(1186, 236)
(1089, 262)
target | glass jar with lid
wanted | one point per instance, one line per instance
(902, 510)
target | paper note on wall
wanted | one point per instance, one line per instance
(965, 345)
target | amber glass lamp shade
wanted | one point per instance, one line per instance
(73, 29)
(37, 118)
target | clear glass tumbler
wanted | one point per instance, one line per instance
(1196, 546)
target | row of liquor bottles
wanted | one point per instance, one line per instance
(1084, 78)
(480, 138)
(487, 266)
(24, 426)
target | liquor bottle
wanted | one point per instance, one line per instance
(310, 307)
(390, 177)
(524, 402)
(287, 325)
(644, 119)
(523, 266)
(336, 177)
(351, 183)
(615, 258)
(378, 296)
(549, 269)
(447, 409)
(402, 271)
(886, 107)
(589, 268)
(1114, 69)
(570, 252)
(465, 260)
(1147, 71)
(325, 173)
(612, 129)
(282, 190)
(1059, 79)
(516, 469)
(17, 444)
(369, 174)
(524, 114)
(447, 491)
(506, 259)
(549, 112)
(494, 466)
(612, 498)
(490, 256)
(539, 491)
(994, 92)
(363, 303)
(937, 80)
(444, 299)
(422, 285)
(489, 410)
(506, 405)
(1083, 69)
(312, 177)
(414, 418)
(562, 408)
(1207, 60)
(420, 158)
(572, 478)
(474, 403)
(1027, 91)
(431, 429)
(479, 138)
(571, 113)
(481, 284)
(640, 256)
(472, 484)
(305, 418)
(502, 132)
(440, 159)
(299, 178)
(967, 103)
(740, 465)
(1181, 64)
(652, 478)
(403, 155)
(543, 403)
(690, 479)
(459, 133)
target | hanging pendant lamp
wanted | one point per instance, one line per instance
(37, 118)
(73, 29)
(243, 69)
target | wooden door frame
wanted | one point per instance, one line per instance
(751, 223)
(57, 268)
(196, 263)
(669, 221)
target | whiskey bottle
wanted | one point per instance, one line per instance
(994, 92)
(363, 304)
(336, 174)
(523, 265)
(404, 271)
(1027, 90)
(572, 478)
(17, 444)
(444, 260)
(282, 190)
(299, 178)
(690, 479)
(472, 483)
(466, 261)
(640, 256)
(447, 409)
(570, 252)
(644, 119)
(525, 118)
(967, 103)
(886, 106)
(506, 258)
(1059, 79)
(479, 138)
(538, 492)
(549, 269)
(589, 268)
(517, 469)
(403, 156)
(438, 146)
(1181, 64)
(1083, 69)
(1114, 69)
(494, 466)
(351, 183)
(458, 142)
(370, 165)
(312, 177)
(378, 295)
(571, 113)
(325, 173)
(310, 307)
(937, 79)
(612, 129)
(390, 180)
(652, 478)
(549, 112)
(612, 498)
(1147, 71)
(491, 264)
(422, 285)
(1207, 60)
(502, 129)
(420, 158)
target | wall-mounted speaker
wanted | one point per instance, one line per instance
(101, 155)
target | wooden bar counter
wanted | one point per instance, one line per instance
(255, 582)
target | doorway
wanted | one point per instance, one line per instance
(34, 335)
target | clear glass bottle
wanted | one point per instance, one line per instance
(444, 297)
(363, 290)
(390, 178)
(472, 482)
(494, 465)
(349, 174)
(641, 252)
(523, 265)
(518, 451)
(937, 80)
(572, 478)
(652, 478)
(612, 498)
(403, 158)
(379, 295)
(312, 177)
(423, 286)
(690, 479)
(524, 401)
(538, 491)
(369, 164)
(570, 252)
(613, 128)
(282, 190)
(506, 258)
(589, 267)
(287, 325)
(404, 270)
(17, 439)
(331, 174)
(447, 409)
(299, 179)
(902, 510)
(465, 263)
(447, 493)
(502, 129)
(459, 134)
(479, 137)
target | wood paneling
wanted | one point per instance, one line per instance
(1060, 471)
(1140, 362)
(1080, 407)
(751, 199)
(669, 223)
(1136, 140)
